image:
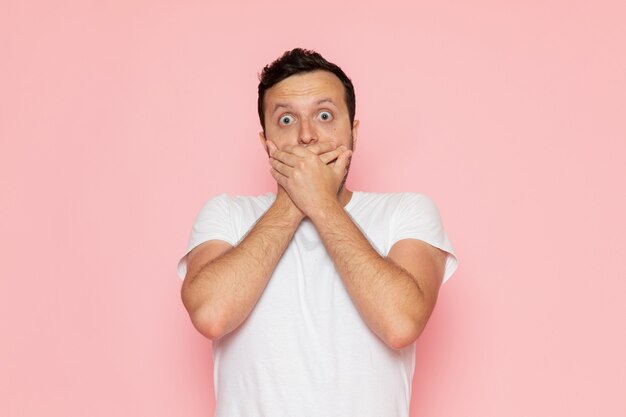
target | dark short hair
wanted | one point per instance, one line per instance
(299, 61)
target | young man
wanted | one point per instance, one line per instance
(313, 296)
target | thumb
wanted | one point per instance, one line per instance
(342, 162)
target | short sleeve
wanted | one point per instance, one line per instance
(417, 217)
(212, 222)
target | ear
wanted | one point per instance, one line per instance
(263, 142)
(355, 133)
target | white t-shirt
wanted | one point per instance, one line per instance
(304, 350)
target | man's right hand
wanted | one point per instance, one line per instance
(326, 156)
(328, 153)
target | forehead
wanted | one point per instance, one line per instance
(305, 86)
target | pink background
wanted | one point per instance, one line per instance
(119, 119)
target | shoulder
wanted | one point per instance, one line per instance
(394, 198)
(251, 202)
(227, 204)
(396, 206)
(418, 204)
(240, 200)
(417, 199)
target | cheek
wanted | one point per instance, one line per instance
(336, 132)
(282, 137)
(331, 129)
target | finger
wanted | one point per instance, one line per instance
(280, 178)
(301, 151)
(322, 147)
(285, 170)
(332, 155)
(286, 158)
(271, 147)
(313, 150)
(342, 162)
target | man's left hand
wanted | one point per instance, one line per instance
(310, 181)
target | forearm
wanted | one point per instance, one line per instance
(384, 293)
(227, 288)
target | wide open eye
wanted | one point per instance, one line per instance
(286, 119)
(325, 115)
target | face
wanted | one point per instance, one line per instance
(308, 108)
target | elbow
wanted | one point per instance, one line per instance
(201, 315)
(206, 324)
(408, 329)
(404, 335)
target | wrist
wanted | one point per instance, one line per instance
(324, 210)
(287, 209)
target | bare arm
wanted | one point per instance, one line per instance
(220, 293)
(394, 295)
(224, 283)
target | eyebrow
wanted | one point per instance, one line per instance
(318, 102)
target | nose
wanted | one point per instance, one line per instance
(307, 134)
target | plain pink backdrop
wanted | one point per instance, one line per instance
(119, 119)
